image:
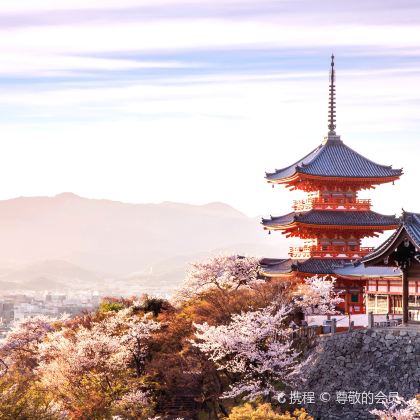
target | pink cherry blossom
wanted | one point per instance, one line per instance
(221, 272)
(256, 345)
(317, 296)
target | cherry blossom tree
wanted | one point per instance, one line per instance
(133, 405)
(255, 346)
(21, 344)
(91, 365)
(317, 296)
(21, 396)
(224, 273)
(135, 338)
(399, 409)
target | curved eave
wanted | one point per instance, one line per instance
(276, 267)
(278, 227)
(303, 274)
(366, 277)
(301, 176)
(384, 249)
(296, 224)
(387, 248)
(286, 275)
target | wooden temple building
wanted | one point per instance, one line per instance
(401, 250)
(332, 221)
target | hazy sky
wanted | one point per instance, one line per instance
(191, 101)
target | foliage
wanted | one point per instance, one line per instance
(224, 285)
(154, 305)
(21, 344)
(255, 346)
(227, 338)
(133, 405)
(265, 412)
(89, 370)
(110, 307)
(187, 379)
(21, 395)
(318, 296)
(224, 273)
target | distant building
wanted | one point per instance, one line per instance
(6, 312)
(333, 221)
(55, 298)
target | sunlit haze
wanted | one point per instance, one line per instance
(192, 101)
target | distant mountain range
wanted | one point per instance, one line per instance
(70, 242)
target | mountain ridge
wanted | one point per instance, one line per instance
(116, 238)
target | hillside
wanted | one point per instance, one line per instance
(71, 241)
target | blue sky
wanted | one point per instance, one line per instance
(191, 101)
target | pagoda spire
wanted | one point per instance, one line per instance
(331, 104)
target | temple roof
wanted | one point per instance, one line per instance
(334, 159)
(276, 265)
(360, 271)
(411, 223)
(409, 226)
(312, 265)
(337, 267)
(331, 217)
(319, 265)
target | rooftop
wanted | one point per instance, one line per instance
(409, 226)
(332, 218)
(337, 267)
(411, 223)
(276, 265)
(360, 271)
(319, 265)
(334, 159)
(312, 265)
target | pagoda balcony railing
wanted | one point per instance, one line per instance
(333, 204)
(318, 251)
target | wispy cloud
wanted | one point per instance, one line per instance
(59, 12)
(201, 88)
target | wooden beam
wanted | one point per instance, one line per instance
(405, 295)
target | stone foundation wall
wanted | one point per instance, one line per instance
(370, 361)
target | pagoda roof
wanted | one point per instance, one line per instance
(319, 265)
(275, 266)
(335, 267)
(333, 159)
(332, 218)
(409, 227)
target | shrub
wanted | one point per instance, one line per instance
(110, 307)
(265, 412)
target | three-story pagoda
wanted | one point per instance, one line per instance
(333, 220)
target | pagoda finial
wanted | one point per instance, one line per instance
(331, 105)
